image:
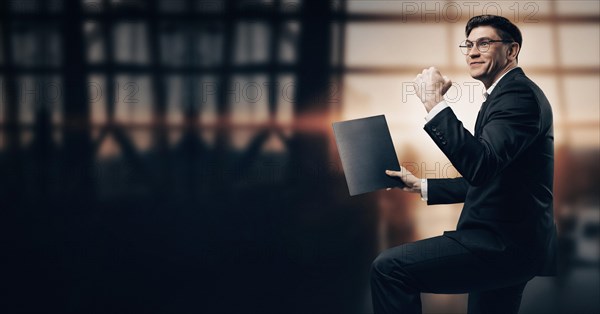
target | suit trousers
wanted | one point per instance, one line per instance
(442, 265)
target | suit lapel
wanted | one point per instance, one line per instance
(480, 116)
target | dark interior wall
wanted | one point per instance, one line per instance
(190, 222)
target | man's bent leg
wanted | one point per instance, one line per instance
(434, 265)
(396, 285)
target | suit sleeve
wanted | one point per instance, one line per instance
(511, 126)
(446, 191)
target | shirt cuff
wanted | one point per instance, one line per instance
(436, 109)
(424, 189)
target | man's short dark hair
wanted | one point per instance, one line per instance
(505, 28)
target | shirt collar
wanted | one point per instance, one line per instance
(489, 90)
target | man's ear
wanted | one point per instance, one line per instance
(513, 51)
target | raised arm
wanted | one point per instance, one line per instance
(511, 126)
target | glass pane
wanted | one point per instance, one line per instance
(35, 45)
(29, 97)
(588, 138)
(97, 94)
(286, 90)
(207, 98)
(52, 97)
(174, 44)
(290, 33)
(248, 96)
(36, 93)
(133, 99)
(175, 99)
(94, 38)
(358, 6)
(583, 99)
(579, 45)
(538, 44)
(208, 44)
(131, 42)
(394, 44)
(578, 7)
(180, 98)
(251, 42)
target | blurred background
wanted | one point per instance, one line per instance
(176, 156)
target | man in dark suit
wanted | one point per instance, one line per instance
(506, 234)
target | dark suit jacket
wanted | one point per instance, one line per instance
(507, 173)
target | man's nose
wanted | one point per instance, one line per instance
(474, 52)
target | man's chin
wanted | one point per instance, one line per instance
(476, 74)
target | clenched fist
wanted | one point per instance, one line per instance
(431, 86)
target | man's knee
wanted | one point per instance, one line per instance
(385, 264)
(390, 268)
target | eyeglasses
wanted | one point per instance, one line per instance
(482, 45)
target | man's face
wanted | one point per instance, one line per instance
(486, 66)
